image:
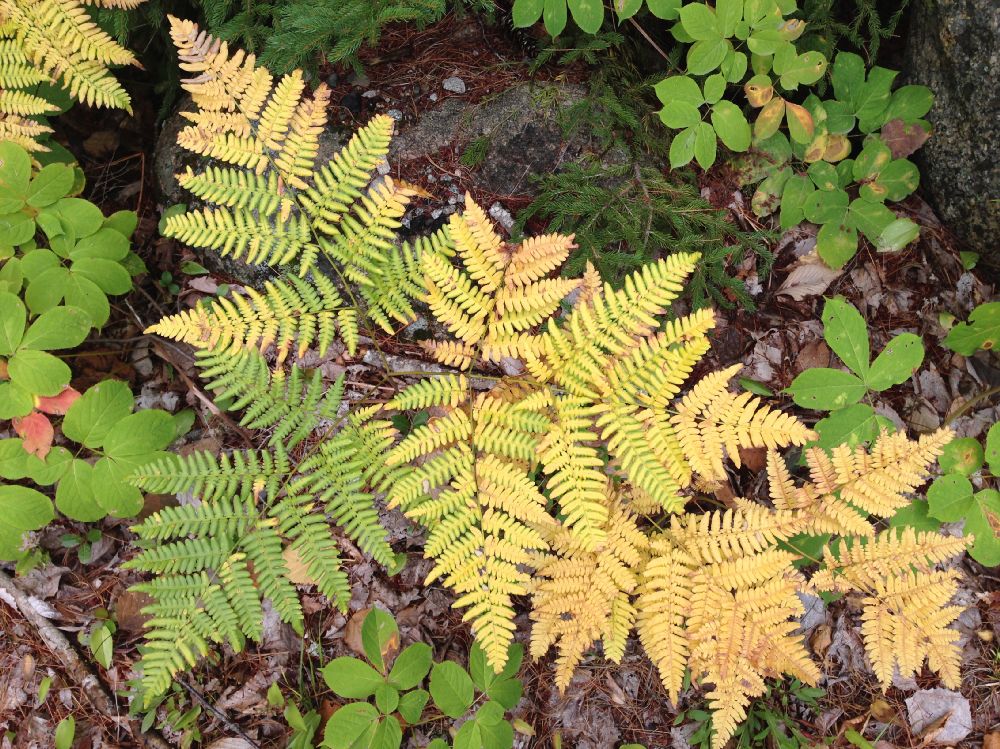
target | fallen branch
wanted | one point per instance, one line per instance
(72, 664)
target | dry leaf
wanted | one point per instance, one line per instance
(903, 139)
(883, 711)
(809, 276)
(352, 632)
(991, 741)
(813, 354)
(821, 640)
(230, 743)
(57, 405)
(298, 573)
(36, 431)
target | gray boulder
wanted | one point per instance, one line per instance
(954, 48)
(519, 128)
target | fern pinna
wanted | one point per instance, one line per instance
(562, 454)
(49, 41)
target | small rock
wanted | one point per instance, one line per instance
(501, 215)
(359, 79)
(352, 103)
(383, 167)
(332, 80)
(395, 114)
(370, 94)
(454, 84)
(433, 97)
(928, 706)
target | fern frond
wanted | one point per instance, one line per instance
(240, 473)
(61, 40)
(581, 595)
(23, 131)
(288, 312)
(24, 104)
(293, 404)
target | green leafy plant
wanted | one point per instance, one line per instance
(769, 721)
(953, 496)
(811, 177)
(807, 173)
(51, 298)
(822, 388)
(982, 331)
(587, 14)
(393, 679)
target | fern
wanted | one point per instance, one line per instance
(605, 373)
(57, 39)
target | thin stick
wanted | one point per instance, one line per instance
(72, 664)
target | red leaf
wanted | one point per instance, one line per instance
(36, 431)
(57, 405)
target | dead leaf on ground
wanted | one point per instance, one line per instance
(230, 743)
(991, 741)
(128, 611)
(298, 572)
(821, 640)
(36, 431)
(101, 144)
(883, 711)
(809, 276)
(814, 354)
(352, 632)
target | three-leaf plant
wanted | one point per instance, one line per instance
(399, 700)
(982, 331)
(826, 389)
(953, 497)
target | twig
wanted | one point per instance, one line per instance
(72, 664)
(217, 713)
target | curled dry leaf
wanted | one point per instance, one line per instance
(809, 276)
(57, 405)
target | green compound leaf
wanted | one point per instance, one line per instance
(451, 689)
(915, 515)
(554, 16)
(21, 510)
(411, 705)
(909, 103)
(847, 333)
(993, 449)
(668, 10)
(352, 678)
(951, 498)
(679, 88)
(58, 328)
(49, 185)
(379, 637)
(853, 425)
(13, 317)
(731, 126)
(982, 331)
(626, 8)
(38, 372)
(139, 434)
(797, 192)
(826, 389)
(386, 698)
(704, 145)
(92, 416)
(707, 55)
(411, 666)
(15, 169)
(836, 244)
(682, 147)
(897, 235)
(527, 12)
(75, 495)
(901, 357)
(700, 22)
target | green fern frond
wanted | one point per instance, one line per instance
(210, 477)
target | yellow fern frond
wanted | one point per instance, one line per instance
(23, 131)
(288, 312)
(878, 482)
(861, 564)
(581, 595)
(663, 605)
(24, 104)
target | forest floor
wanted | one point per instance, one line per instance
(607, 704)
